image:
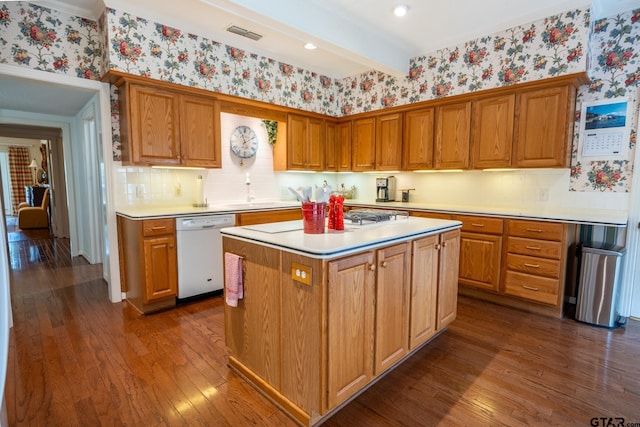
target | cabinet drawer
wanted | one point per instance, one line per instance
(158, 227)
(536, 229)
(535, 288)
(480, 224)
(533, 247)
(532, 265)
(434, 215)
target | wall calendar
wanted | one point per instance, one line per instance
(604, 130)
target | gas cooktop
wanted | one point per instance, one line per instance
(371, 216)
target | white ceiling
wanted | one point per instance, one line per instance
(353, 36)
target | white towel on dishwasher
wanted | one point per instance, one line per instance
(234, 288)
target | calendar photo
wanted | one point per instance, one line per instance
(604, 130)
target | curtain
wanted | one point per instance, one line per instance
(20, 174)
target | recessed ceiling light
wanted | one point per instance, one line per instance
(310, 46)
(400, 10)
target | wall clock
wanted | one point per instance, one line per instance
(244, 142)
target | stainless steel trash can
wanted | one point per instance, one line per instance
(599, 285)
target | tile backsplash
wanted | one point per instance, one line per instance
(177, 187)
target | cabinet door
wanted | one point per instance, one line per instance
(154, 126)
(314, 146)
(545, 127)
(200, 132)
(480, 261)
(331, 147)
(453, 126)
(448, 278)
(417, 146)
(296, 141)
(363, 145)
(160, 266)
(392, 305)
(343, 146)
(424, 290)
(492, 132)
(350, 318)
(389, 142)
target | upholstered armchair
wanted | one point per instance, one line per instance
(34, 216)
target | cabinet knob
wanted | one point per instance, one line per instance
(438, 246)
(444, 245)
(383, 264)
(372, 267)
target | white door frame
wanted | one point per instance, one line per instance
(110, 264)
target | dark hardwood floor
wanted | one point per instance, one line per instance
(78, 360)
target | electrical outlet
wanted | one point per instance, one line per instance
(178, 191)
(543, 194)
(140, 191)
(301, 273)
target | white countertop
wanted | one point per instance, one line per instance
(154, 211)
(289, 235)
(614, 218)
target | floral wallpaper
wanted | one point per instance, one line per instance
(48, 40)
(550, 47)
(615, 72)
(41, 38)
(139, 46)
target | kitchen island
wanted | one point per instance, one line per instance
(324, 316)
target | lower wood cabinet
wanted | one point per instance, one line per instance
(536, 256)
(148, 262)
(350, 326)
(263, 217)
(313, 345)
(392, 305)
(480, 252)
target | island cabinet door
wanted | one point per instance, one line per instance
(392, 305)
(350, 319)
(424, 290)
(448, 278)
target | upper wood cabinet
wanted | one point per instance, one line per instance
(545, 127)
(343, 146)
(363, 153)
(453, 129)
(417, 146)
(167, 128)
(389, 142)
(492, 132)
(331, 146)
(305, 143)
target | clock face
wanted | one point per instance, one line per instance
(244, 142)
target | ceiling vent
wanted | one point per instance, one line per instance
(244, 33)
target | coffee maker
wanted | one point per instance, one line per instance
(386, 189)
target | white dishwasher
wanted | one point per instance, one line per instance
(200, 253)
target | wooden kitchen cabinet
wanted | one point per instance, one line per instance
(392, 305)
(363, 145)
(480, 252)
(149, 264)
(424, 290)
(448, 278)
(417, 146)
(263, 217)
(343, 146)
(544, 131)
(453, 133)
(536, 256)
(161, 127)
(388, 142)
(331, 152)
(305, 143)
(492, 132)
(350, 326)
